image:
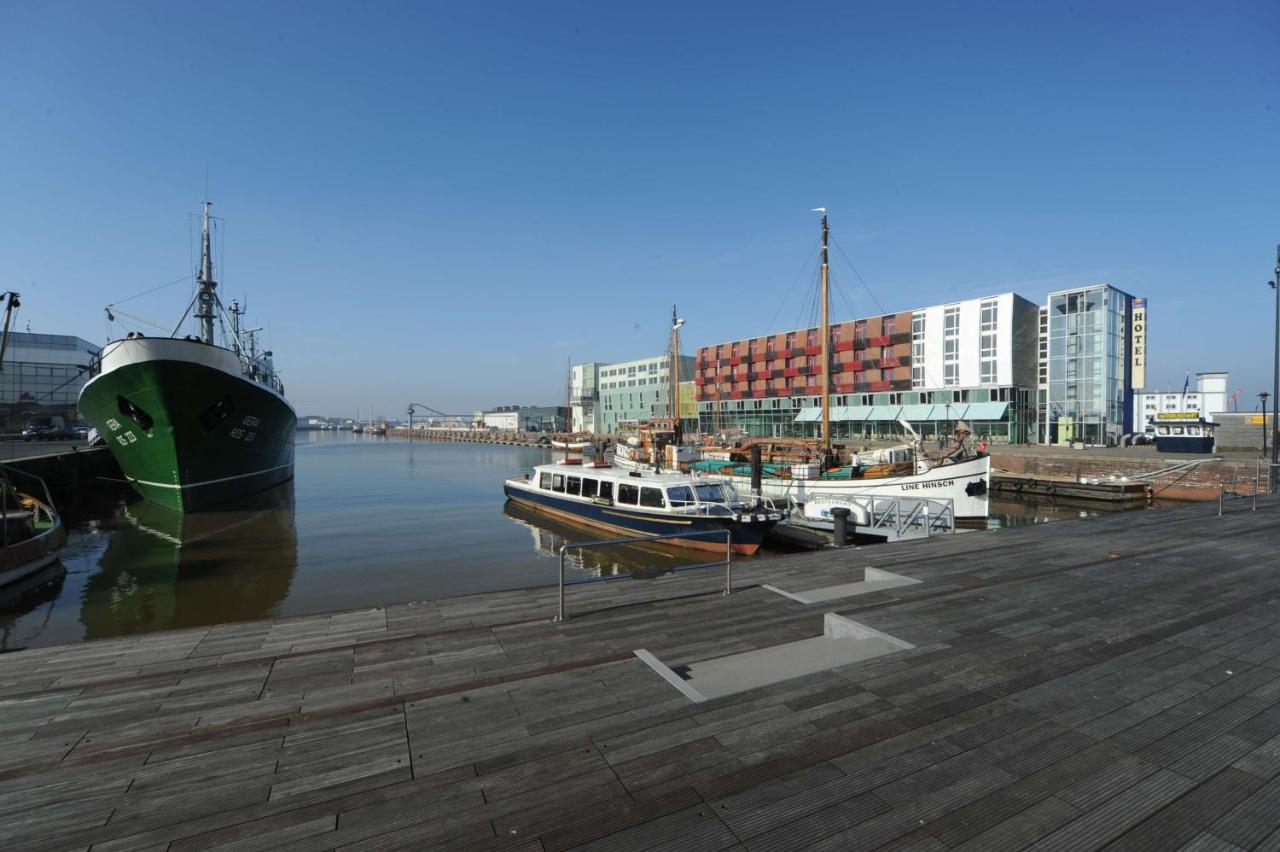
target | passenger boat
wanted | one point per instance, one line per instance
(635, 503)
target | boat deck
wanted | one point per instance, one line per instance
(1113, 681)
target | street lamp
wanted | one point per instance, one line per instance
(1275, 382)
(1263, 397)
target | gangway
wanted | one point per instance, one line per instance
(891, 518)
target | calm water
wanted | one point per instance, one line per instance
(367, 521)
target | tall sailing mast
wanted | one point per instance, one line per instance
(673, 374)
(826, 343)
(206, 297)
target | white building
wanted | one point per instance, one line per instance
(984, 342)
(605, 395)
(1208, 394)
(584, 398)
(526, 418)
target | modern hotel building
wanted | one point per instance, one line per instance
(1093, 341)
(972, 360)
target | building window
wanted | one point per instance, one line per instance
(951, 347)
(987, 344)
(917, 350)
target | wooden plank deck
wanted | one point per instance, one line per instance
(1111, 682)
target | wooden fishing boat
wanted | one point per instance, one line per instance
(31, 530)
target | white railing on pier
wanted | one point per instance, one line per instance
(895, 517)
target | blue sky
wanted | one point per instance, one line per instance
(442, 202)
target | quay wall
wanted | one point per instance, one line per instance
(1201, 481)
(466, 436)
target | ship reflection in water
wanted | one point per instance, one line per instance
(162, 569)
(641, 562)
(136, 567)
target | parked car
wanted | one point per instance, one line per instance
(47, 429)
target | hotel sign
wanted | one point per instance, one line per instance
(1138, 344)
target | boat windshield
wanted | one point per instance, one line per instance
(710, 492)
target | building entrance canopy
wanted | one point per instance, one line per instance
(918, 412)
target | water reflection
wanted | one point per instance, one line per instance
(32, 596)
(644, 562)
(161, 569)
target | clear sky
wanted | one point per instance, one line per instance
(442, 202)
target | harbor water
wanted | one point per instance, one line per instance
(367, 521)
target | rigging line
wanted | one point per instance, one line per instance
(844, 294)
(139, 319)
(804, 265)
(859, 276)
(152, 290)
(178, 327)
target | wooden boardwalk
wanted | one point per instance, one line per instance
(1112, 682)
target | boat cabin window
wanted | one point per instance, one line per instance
(652, 498)
(589, 487)
(544, 481)
(681, 495)
(557, 482)
(1193, 430)
(1177, 430)
(606, 490)
(710, 492)
(573, 485)
(628, 493)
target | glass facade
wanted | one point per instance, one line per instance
(931, 413)
(42, 376)
(1088, 388)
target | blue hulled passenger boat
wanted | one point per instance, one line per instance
(634, 503)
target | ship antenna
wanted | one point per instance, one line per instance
(206, 295)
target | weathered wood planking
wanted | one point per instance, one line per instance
(1112, 682)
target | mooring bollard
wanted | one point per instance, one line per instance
(1222, 491)
(841, 516)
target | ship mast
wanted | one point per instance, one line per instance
(206, 296)
(673, 396)
(826, 346)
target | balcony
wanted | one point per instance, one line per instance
(584, 396)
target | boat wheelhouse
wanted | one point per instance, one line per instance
(635, 503)
(1183, 432)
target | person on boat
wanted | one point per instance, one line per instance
(982, 447)
(855, 462)
(961, 450)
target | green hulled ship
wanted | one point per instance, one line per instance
(193, 424)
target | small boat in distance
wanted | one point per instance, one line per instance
(636, 503)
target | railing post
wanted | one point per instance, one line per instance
(563, 548)
(728, 562)
(1222, 491)
(928, 531)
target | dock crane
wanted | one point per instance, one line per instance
(419, 406)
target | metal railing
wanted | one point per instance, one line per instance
(727, 562)
(897, 514)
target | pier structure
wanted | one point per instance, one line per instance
(1065, 686)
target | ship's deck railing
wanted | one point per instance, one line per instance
(727, 562)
